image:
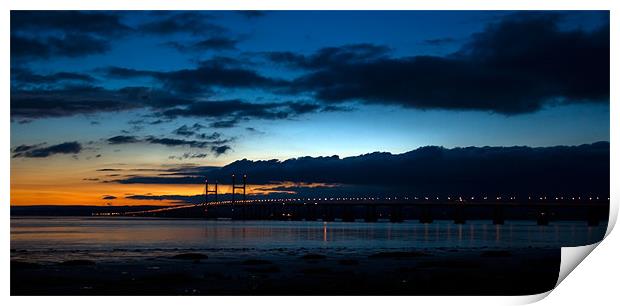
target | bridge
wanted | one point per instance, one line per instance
(497, 210)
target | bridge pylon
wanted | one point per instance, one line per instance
(210, 191)
(235, 187)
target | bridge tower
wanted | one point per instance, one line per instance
(235, 187)
(210, 191)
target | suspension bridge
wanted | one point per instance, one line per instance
(497, 210)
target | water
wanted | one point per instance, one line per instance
(59, 238)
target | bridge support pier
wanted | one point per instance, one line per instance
(459, 215)
(498, 215)
(260, 212)
(542, 217)
(426, 216)
(396, 213)
(593, 217)
(281, 211)
(371, 213)
(328, 213)
(310, 212)
(239, 212)
(348, 213)
(296, 212)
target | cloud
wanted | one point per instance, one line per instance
(47, 34)
(517, 65)
(235, 110)
(185, 130)
(173, 142)
(254, 130)
(76, 100)
(201, 79)
(121, 139)
(24, 148)
(192, 23)
(67, 102)
(212, 136)
(195, 199)
(439, 41)
(219, 150)
(209, 44)
(38, 151)
(108, 197)
(251, 14)
(213, 141)
(189, 156)
(569, 170)
(99, 23)
(224, 124)
(331, 56)
(123, 73)
(73, 45)
(24, 77)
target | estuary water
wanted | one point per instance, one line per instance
(117, 238)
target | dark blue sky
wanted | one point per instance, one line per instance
(90, 89)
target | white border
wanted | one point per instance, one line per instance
(583, 288)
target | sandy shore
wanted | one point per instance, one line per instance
(439, 271)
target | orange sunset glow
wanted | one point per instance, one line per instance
(64, 185)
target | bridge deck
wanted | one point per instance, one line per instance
(396, 210)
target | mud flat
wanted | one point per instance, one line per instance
(475, 271)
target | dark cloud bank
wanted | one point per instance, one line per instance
(567, 170)
(518, 65)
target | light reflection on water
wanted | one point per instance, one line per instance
(107, 234)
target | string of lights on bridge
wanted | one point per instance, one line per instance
(343, 200)
(458, 199)
(361, 199)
